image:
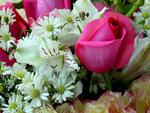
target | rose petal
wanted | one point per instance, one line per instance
(96, 55)
(101, 31)
(126, 49)
(36, 8)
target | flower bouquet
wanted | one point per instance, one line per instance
(81, 56)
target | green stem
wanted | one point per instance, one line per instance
(79, 28)
(134, 7)
(118, 4)
(107, 79)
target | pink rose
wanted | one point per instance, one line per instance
(36, 8)
(106, 43)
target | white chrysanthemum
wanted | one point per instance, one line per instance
(7, 16)
(26, 80)
(63, 86)
(24, 108)
(18, 70)
(36, 92)
(13, 103)
(6, 39)
(67, 16)
(48, 27)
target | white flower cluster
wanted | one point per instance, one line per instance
(7, 18)
(45, 70)
(142, 18)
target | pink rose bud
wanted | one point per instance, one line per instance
(106, 43)
(36, 8)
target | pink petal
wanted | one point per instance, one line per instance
(37, 8)
(126, 23)
(126, 49)
(30, 8)
(127, 46)
(97, 30)
(99, 5)
(96, 55)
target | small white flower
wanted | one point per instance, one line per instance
(5, 70)
(18, 70)
(63, 86)
(48, 27)
(142, 18)
(67, 16)
(5, 38)
(13, 103)
(36, 92)
(7, 16)
(24, 108)
(26, 80)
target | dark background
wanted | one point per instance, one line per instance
(73, 0)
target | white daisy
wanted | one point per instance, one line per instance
(48, 27)
(24, 108)
(36, 92)
(7, 16)
(13, 103)
(6, 39)
(18, 70)
(67, 16)
(26, 80)
(64, 86)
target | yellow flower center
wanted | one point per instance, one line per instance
(61, 89)
(6, 37)
(69, 19)
(35, 93)
(145, 15)
(50, 28)
(19, 74)
(6, 19)
(12, 106)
